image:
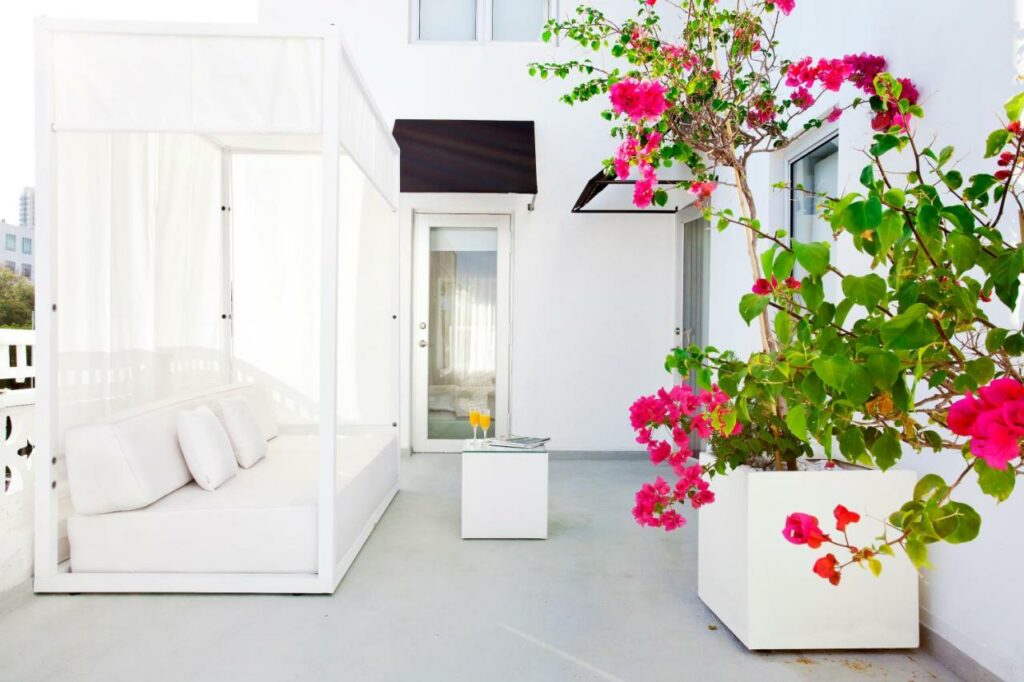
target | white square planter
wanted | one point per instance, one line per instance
(763, 587)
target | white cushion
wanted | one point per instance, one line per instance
(206, 447)
(264, 520)
(132, 458)
(244, 431)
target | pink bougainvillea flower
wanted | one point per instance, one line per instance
(863, 69)
(643, 191)
(639, 100)
(994, 421)
(703, 191)
(1006, 158)
(844, 517)
(763, 287)
(1015, 128)
(660, 450)
(834, 115)
(832, 73)
(802, 98)
(802, 529)
(801, 73)
(671, 519)
(785, 6)
(1002, 175)
(792, 283)
(827, 568)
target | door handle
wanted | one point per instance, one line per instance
(423, 344)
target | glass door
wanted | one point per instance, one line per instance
(460, 334)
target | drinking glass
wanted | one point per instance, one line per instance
(485, 420)
(474, 421)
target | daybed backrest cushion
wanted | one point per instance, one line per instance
(248, 441)
(206, 447)
(133, 458)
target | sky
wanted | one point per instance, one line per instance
(17, 100)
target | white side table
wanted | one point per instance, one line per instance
(504, 492)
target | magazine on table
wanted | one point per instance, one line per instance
(518, 442)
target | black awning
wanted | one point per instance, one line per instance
(599, 182)
(498, 157)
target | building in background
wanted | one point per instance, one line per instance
(27, 207)
(17, 242)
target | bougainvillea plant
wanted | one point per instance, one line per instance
(913, 352)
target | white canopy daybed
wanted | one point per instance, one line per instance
(216, 229)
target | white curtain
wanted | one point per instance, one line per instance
(139, 263)
(464, 317)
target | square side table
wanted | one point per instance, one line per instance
(504, 492)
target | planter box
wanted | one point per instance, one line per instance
(762, 587)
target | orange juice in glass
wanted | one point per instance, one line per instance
(474, 421)
(485, 420)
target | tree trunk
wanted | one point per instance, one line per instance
(768, 345)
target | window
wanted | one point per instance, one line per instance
(11, 265)
(26, 246)
(26, 270)
(813, 174)
(518, 20)
(475, 21)
(12, 242)
(447, 20)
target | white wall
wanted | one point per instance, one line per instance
(592, 295)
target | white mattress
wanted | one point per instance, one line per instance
(261, 521)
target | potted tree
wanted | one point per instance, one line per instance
(910, 354)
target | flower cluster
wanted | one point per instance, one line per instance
(764, 287)
(703, 191)
(632, 153)
(803, 529)
(860, 70)
(994, 421)
(640, 100)
(680, 411)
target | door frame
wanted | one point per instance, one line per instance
(422, 223)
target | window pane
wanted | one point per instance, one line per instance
(463, 331)
(10, 242)
(519, 20)
(447, 20)
(817, 172)
(26, 246)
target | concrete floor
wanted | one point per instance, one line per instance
(601, 600)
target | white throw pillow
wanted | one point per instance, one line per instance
(243, 430)
(206, 447)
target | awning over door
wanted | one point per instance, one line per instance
(497, 157)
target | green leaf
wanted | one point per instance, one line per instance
(872, 213)
(1006, 276)
(883, 143)
(967, 523)
(767, 258)
(917, 552)
(784, 327)
(876, 566)
(996, 141)
(886, 450)
(752, 305)
(963, 251)
(783, 266)
(895, 197)
(867, 291)
(994, 339)
(928, 221)
(813, 257)
(1014, 107)
(909, 330)
(889, 230)
(812, 291)
(813, 389)
(796, 420)
(884, 368)
(961, 216)
(930, 487)
(995, 482)
(851, 444)
(858, 385)
(981, 370)
(832, 370)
